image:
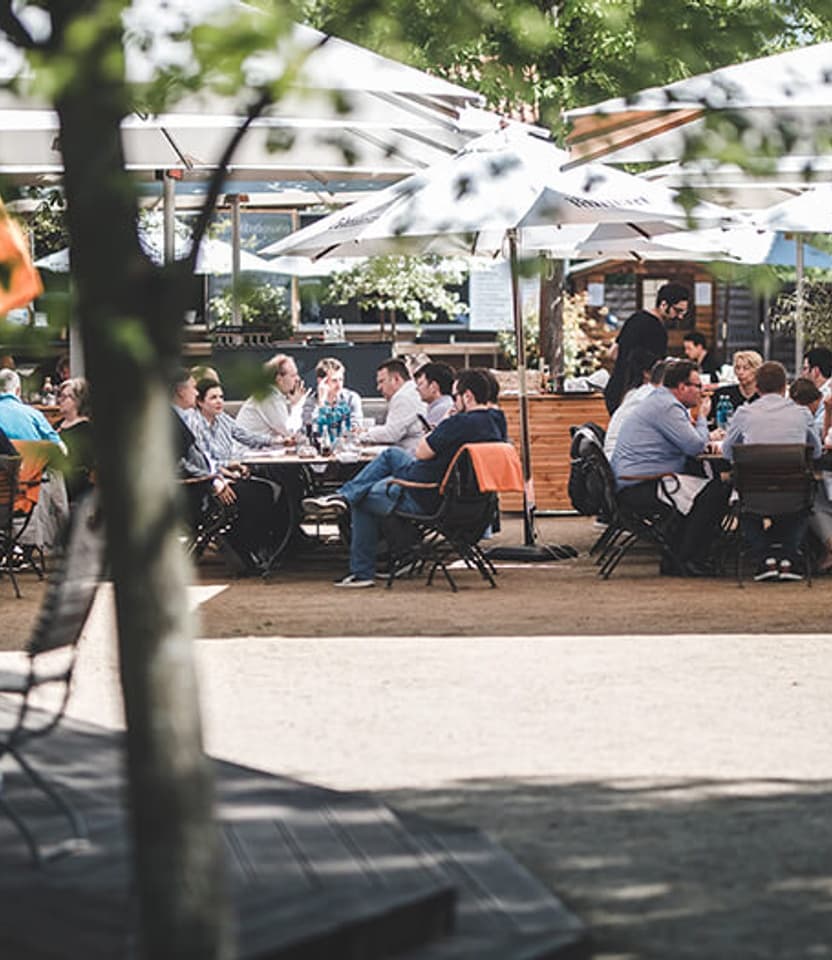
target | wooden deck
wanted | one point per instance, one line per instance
(315, 873)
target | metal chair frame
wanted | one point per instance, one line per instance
(455, 528)
(52, 652)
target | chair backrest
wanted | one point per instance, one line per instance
(773, 478)
(73, 583)
(496, 467)
(35, 457)
(600, 480)
(9, 470)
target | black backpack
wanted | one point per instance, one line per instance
(586, 486)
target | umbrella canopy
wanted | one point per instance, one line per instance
(215, 256)
(787, 91)
(512, 180)
(810, 212)
(348, 111)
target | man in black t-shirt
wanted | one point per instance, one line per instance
(369, 498)
(645, 328)
(696, 349)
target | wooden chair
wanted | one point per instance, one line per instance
(468, 503)
(772, 479)
(37, 697)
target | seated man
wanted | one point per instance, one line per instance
(404, 425)
(370, 499)
(18, 420)
(435, 382)
(342, 406)
(280, 411)
(696, 349)
(656, 439)
(774, 418)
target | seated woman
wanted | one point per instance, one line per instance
(264, 520)
(219, 435)
(75, 430)
(746, 365)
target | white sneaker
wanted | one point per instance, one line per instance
(351, 581)
(333, 505)
(788, 572)
(768, 570)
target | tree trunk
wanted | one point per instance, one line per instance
(551, 319)
(131, 314)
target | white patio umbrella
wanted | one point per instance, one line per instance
(479, 202)
(787, 92)
(214, 257)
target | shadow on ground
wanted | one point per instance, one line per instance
(723, 870)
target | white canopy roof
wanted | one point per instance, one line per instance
(791, 88)
(349, 113)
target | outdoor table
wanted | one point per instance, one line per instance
(304, 476)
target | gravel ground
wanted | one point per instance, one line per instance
(671, 784)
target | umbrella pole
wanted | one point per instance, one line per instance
(531, 549)
(529, 533)
(800, 307)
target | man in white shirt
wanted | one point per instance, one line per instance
(435, 382)
(280, 411)
(405, 424)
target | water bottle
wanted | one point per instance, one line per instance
(724, 411)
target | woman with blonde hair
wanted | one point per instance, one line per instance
(75, 429)
(746, 365)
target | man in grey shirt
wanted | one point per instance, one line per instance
(404, 425)
(435, 381)
(774, 418)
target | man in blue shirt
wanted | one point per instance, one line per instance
(17, 420)
(657, 439)
(369, 498)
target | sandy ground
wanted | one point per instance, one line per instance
(657, 751)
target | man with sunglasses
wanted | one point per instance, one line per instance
(650, 463)
(646, 329)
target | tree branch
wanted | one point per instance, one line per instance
(218, 178)
(11, 25)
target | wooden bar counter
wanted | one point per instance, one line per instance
(550, 417)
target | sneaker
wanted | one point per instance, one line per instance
(333, 505)
(351, 581)
(767, 570)
(787, 570)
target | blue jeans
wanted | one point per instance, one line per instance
(370, 501)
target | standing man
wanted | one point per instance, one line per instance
(696, 349)
(404, 425)
(280, 411)
(817, 367)
(645, 328)
(369, 498)
(435, 381)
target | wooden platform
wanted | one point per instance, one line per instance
(315, 873)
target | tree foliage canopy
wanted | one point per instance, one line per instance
(547, 56)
